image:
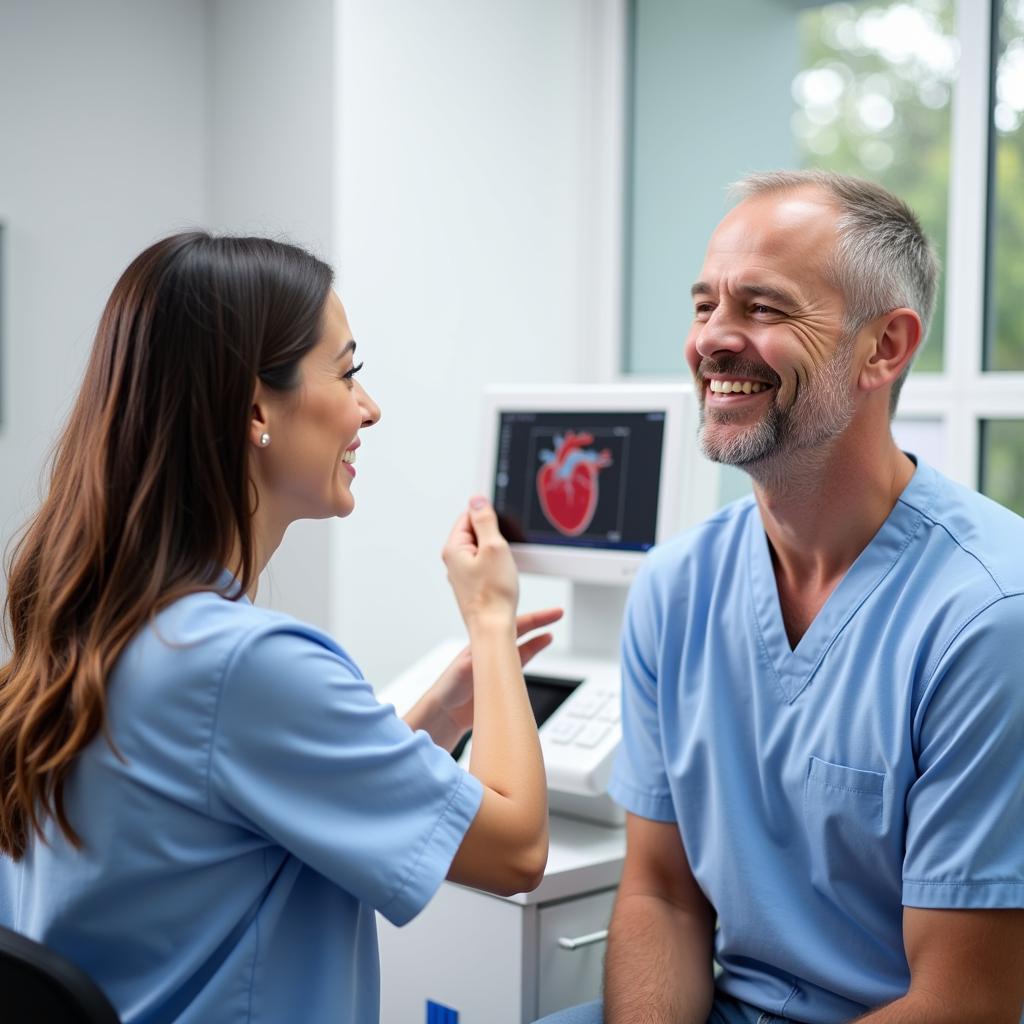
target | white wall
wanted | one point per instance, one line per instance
(121, 121)
(270, 173)
(458, 162)
(102, 129)
(472, 167)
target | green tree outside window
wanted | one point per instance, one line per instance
(874, 99)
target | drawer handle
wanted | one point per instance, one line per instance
(584, 940)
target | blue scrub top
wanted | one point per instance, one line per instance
(265, 806)
(821, 789)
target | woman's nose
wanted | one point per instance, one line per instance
(371, 410)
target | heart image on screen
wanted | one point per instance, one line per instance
(567, 484)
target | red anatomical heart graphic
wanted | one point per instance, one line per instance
(567, 482)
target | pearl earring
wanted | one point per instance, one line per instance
(264, 439)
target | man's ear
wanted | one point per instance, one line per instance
(894, 338)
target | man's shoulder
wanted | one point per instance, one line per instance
(974, 535)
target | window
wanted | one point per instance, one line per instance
(922, 96)
(1002, 461)
(1005, 341)
(873, 99)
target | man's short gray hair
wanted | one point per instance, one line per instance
(882, 261)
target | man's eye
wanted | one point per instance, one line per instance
(703, 310)
(761, 309)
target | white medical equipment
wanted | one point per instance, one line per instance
(585, 480)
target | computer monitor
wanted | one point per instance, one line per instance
(587, 479)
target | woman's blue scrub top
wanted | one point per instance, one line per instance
(263, 807)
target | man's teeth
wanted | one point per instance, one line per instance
(733, 387)
(349, 457)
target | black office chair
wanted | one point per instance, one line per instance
(38, 986)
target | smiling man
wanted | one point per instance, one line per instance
(823, 695)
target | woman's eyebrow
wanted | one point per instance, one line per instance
(349, 347)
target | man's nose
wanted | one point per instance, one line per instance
(371, 410)
(720, 333)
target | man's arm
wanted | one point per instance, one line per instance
(964, 843)
(966, 967)
(658, 969)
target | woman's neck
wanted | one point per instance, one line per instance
(266, 535)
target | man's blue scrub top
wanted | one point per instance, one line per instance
(821, 789)
(266, 805)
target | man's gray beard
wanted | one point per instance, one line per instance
(784, 442)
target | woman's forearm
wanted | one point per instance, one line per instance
(507, 759)
(506, 755)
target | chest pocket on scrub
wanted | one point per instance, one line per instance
(845, 822)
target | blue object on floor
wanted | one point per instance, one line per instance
(438, 1014)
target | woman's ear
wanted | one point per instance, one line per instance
(259, 423)
(896, 337)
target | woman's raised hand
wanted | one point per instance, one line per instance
(480, 567)
(506, 847)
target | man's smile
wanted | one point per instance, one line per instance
(725, 387)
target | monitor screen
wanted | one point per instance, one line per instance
(585, 479)
(547, 694)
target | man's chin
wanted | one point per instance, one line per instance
(739, 450)
(739, 460)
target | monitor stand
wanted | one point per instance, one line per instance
(577, 773)
(597, 611)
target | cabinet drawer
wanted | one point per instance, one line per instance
(569, 976)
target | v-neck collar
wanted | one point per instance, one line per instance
(794, 668)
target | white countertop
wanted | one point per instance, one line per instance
(582, 858)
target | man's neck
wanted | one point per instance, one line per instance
(821, 512)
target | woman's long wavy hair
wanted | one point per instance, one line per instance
(150, 495)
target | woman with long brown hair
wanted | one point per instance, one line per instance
(202, 802)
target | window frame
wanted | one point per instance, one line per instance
(964, 393)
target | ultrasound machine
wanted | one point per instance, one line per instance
(585, 481)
